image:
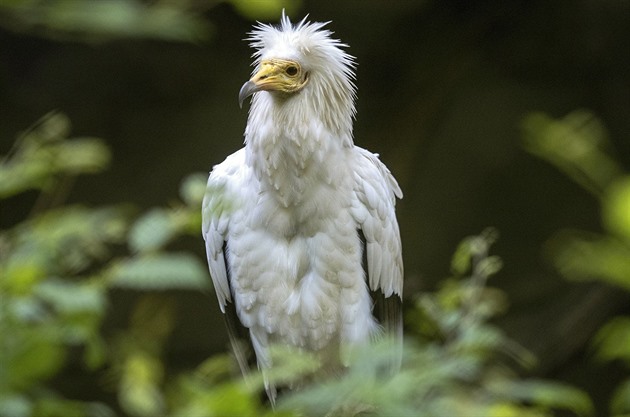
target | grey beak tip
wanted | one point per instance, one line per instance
(247, 90)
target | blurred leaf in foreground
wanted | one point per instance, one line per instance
(577, 145)
(102, 20)
(459, 369)
(56, 269)
(42, 155)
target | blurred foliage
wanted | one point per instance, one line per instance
(265, 9)
(41, 158)
(58, 264)
(103, 20)
(578, 145)
(458, 364)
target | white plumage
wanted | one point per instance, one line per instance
(284, 218)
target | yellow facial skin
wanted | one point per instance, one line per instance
(281, 75)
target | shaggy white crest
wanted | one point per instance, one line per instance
(289, 219)
(330, 67)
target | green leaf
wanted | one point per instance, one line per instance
(616, 208)
(68, 240)
(575, 144)
(488, 266)
(509, 410)
(193, 189)
(583, 256)
(15, 405)
(613, 340)
(52, 405)
(152, 231)
(620, 402)
(69, 297)
(546, 394)
(160, 272)
(291, 363)
(102, 20)
(264, 10)
(44, 152)
(139, 391)
(32, 355)
(95, 352)
(16, 178)
(81, 156)
(474, 247)
(462, 258)
(51, 127)
(21, 275)
(482, 340)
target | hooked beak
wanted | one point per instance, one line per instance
(249, 88)
(266, 78)
(280, 75)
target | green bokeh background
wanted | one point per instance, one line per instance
(442, 89)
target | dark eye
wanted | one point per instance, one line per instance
(291, 70)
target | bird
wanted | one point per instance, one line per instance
(300, 229)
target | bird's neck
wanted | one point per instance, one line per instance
(292, 148)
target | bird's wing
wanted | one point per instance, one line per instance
(373, 208)
(215, 221)
(219, 204)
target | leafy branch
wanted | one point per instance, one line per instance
(578, 145)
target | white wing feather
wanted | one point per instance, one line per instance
(219, 202)
(373, 208)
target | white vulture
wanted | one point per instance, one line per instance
(300, 227)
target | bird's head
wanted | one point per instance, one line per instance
(302, 60)
(284, 76)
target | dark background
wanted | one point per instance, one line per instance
(442, 89)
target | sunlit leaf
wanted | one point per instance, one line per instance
(43, 153)
(215, 368)
(489, 266)
(81, 156)
(139, 392)
(51, 127)
(474, 247)
(575, 144)
(33, 354)
(613, 340)
(290, 364)
(265, 9)
(462, 258)
(548, 394)
(21, 274)
(25, 309)
(511, 410)
(16, 178)
(479, 339)
(159, 272)
(231, 400)
(15, 405)
(67, 297)
(616, 208)
(583, 256)
(193, 189)
(101, 20)
(68, 240)
(151, 231)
